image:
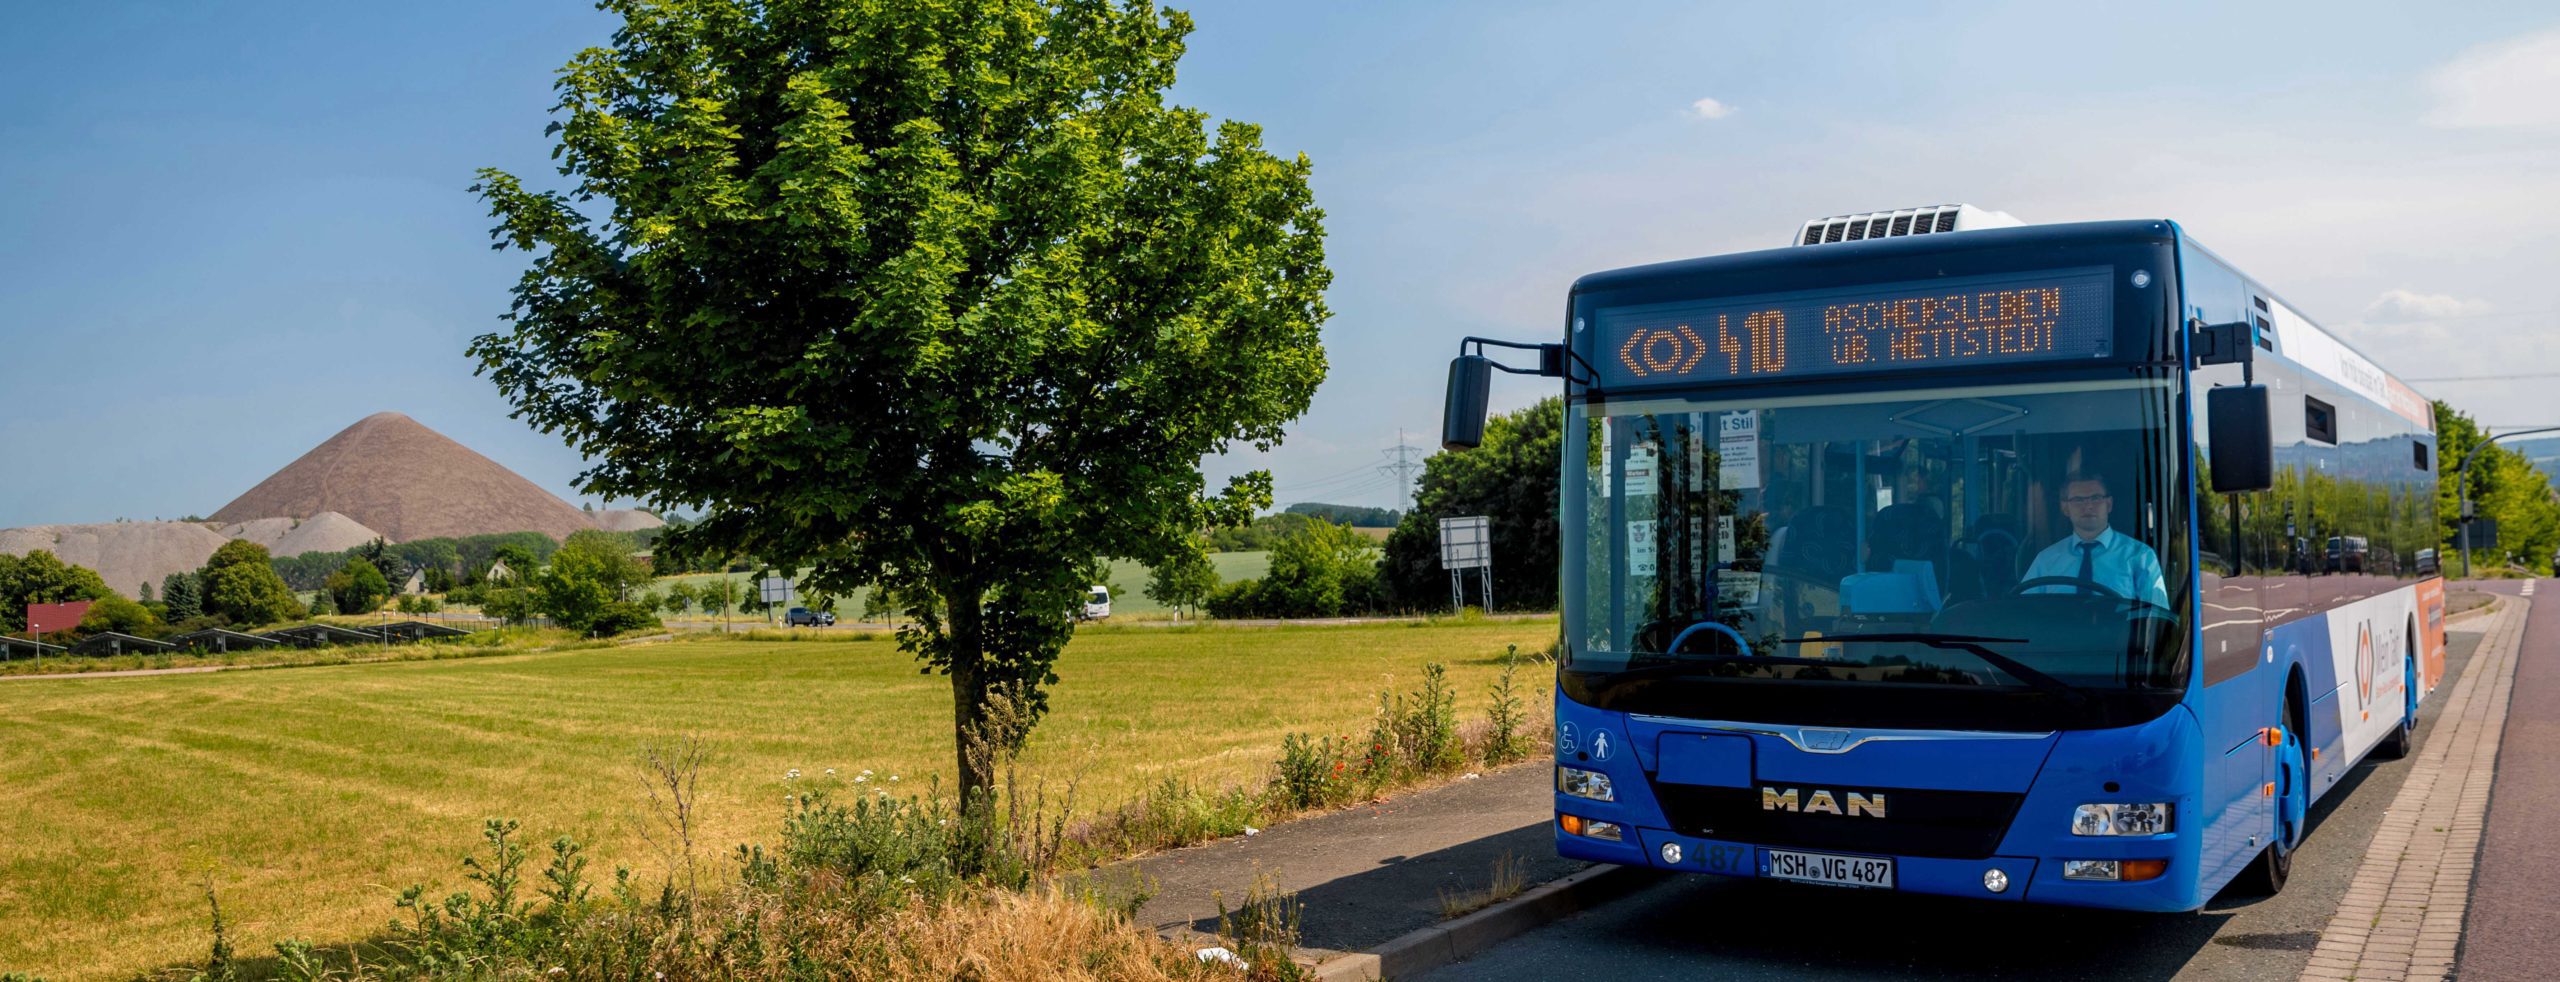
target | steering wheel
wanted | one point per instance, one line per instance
(1683, 637)
(2074, 582)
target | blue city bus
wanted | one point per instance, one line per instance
(1995, 562)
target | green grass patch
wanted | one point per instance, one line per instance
(316, 794)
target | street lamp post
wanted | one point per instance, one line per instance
(2462, 488)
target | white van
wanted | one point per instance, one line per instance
(1097, 604)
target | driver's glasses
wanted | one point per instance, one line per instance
(2085, 500)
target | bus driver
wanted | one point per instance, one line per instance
(2095, 553)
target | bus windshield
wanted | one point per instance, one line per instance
(2019, 539)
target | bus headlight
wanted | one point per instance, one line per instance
(2143, 818)
(1584, 784)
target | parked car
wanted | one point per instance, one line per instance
(803, 616)
(1097, 604)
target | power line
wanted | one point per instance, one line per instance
(1401, 463)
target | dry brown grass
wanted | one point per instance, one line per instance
(1004, 937)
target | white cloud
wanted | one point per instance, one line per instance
(2406, 306)
(2513, 83)
(1710, 109)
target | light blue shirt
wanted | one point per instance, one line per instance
(2126, 567)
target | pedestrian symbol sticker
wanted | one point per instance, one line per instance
(1599, 744)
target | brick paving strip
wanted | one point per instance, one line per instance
(2402, 915)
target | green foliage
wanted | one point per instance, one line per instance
(1318, 569)
(114, 613)
(1314, 773)
(584, 586)
(322, 604)
(1259, 534)
(183, 595)
(512, 604)
(950, 290)
(357, 587)
(2506, 487)
(1427, 726)
(40, 577)
(676, 600)
(241, 585)
(1506, 717)
(1512, 479)
(622, 617)
(1356, 516)
(1183, 580)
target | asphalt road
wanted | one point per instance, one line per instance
(1712, 927)
(2512, 926)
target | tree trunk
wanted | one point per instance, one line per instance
(963, 613)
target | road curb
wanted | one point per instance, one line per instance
(1441, 944)
(2474, 613)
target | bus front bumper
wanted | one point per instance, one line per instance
(2017, 878)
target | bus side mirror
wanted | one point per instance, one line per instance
(1462, 419)
(2244, 444)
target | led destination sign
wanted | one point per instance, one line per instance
(2047, 316)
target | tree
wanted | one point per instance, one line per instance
(357, 587)
(519, 559)
(2505, 486)
(180, 593)
(1511, 479)
(40, 577)
(510, 604)
(592, 571)
(677, 598)
(717, 595)
(1357, 516)
(945, 288)
(115, 613)
(1183, 580)
(240, 584)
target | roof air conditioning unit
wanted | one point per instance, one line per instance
(1905, 221)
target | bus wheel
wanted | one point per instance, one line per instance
(2404, 737)
(2266, 874)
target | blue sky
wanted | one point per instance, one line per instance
(232, 231)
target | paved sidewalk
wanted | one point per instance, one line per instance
(2403, 913)
(1372, 873)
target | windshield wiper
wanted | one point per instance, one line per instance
(1970, 644)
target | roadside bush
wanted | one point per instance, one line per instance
(1314, 773)
(1506, 737)
(1427, 727)
(620, 618)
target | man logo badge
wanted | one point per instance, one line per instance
(1599, 744)
(1821, 802)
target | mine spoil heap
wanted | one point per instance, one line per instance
(389, 474)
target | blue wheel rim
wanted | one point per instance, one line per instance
(2293, 792)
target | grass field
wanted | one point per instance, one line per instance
(315, 794)
(1128, 583)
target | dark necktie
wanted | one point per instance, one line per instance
(2088, 567)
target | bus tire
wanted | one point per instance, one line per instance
(2265, 875)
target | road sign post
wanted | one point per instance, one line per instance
(1466, 543)
(775, 590)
